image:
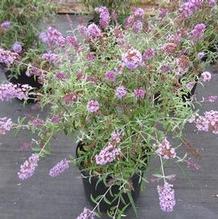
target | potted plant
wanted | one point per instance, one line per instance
(20, 20)
(109, 100)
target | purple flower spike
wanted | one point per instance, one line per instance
(206, 76)
(165, 150)
(5, 125)
(137, 26)
(51, 58)
(61, 76)
(7, 57)
(132, 59)
(208, 122)
(110, 76)
(148, 54)
(93, 106)
(59, 168)
(27, 169)
(52, 37)
(37, 122)
(166, 197)
(5, 25)
(10, 91)
(198, 32)
(104, 16)
(107, 155)
(86, 214)
(93, 32)
(139, 13)
(17, 47)
(120, 92)
(139, 93)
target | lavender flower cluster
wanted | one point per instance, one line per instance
(166, 197)
(107, 155)
(111, 152)
(61, 76)
(135, 20)
(165, 149)
(73, 41)
(190, 7)
(5, 125)
(36, 122)
(148, 54)
(139, 93)
(198, 32)
(93, 106)
(210, 99)
(52, 37)
(208, 122)
(9, 91)
(86, 214)
(110, 76)
(51, 58)
(132, 59)
(5, 25)
(104, 16)
(206, 76)
(93, 32)
(59, 168)
(169, 48)
(120, 92)
(27, 169)
(7, 57)
(17, 47)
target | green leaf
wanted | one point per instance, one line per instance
(93, 199)
(132, 203)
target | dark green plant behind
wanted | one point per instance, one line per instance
(25, 16)
(122, 7)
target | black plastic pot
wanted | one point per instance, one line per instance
(213, 48)
(188, 96)
(185, 97)
(94, 189)
(21, 79)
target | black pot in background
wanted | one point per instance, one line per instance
(185, 97)
(213, 48)
(188, 96)
(94, 188)
(21, 79)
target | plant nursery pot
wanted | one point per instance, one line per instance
(21, 79)
(187, 97)
(94, 189)
(213, 48)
